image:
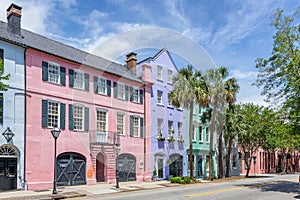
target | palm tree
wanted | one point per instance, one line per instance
(231, 90)
(215, 81)
(189, 87)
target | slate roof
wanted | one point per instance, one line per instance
(32, 40)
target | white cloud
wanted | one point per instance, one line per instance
(238, 74)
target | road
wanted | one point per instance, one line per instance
(277, 187)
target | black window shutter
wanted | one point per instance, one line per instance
(62, 115)
(44, 71)
(115, 89)
(71, 117)
(131, 94)
(142, 127)
(1, 108)
(44, 113)
(1, 55)
(126, 92)
(95, 84)
(108, 87)
(131, 126)
(86, 82)
(71, 78)
(141, 96)
(63, 76)
(86, 119)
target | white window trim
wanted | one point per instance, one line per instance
(138, 94)
(118, 86)
(159, 77)
(207, 135)
(200, 132)
(160, 103)
(121, 114)
(169, 103)
(58, 120)
(170, 128)
(83, 80)
(194, 138)
(105, 81)
(139, 126)
(170, 80)
(58, 71)
(82, 125)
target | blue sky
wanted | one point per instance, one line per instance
(233, 33)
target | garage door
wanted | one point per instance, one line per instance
(71, 169)
(126, 167)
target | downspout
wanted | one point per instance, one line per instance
(145, 142)
(25, 117)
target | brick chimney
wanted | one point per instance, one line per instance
(131, 62)
(14, 18)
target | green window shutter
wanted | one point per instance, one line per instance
(71, 78)
(126, 92)
(44, 71)
(131, 126)
(71, 117)
(63, 76)
(131, 94)
(86, 82)
(142, 127)
(115, 89)
(44, 113)
(62, 115)
(108, 87)
(95, 84)
(141, 96)
(86, 119)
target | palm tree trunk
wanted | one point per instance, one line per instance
(220, 157)
(211, 140)
(228, 155)
(191, 161)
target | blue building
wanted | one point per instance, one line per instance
(12, 103)
(168, 124)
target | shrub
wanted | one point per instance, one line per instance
(182, 181)
(187, 179)
(175, 179)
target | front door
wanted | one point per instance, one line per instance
(8, 173)
(100, 168)
(176, 165)
(71, 169)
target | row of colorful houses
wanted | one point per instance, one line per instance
(115, 120)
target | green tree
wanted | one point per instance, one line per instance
(189, 88)
(279, 75)
(3, 86)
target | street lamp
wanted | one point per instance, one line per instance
(55, 133)
(117, 150)
(8, 134)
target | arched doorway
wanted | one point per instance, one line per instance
(159, 165)
(71, 169)
(126, 167)
(176, 165)
(100, 168)
(8, 167)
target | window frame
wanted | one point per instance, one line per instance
(134, 128)
(207, 134)
(200, 128)
(76, 80)
(76, 106)
(99, 121)
(123, 123)
(50, 65)
(194, 133)
(100, 78)
(160, 123)
(179, 129)
(135, 94)
(160, 97)
(121, 85)
(170, 127)
(49, 125)
(159, 74)
(169, 78)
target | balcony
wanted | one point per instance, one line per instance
(104, 138)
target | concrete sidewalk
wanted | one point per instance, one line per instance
(84, 190)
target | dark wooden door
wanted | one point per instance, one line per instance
(126, 168)
(100, 168)
(176, 165)
(8, 173)
(71, 169)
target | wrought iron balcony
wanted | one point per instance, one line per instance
(104, 138)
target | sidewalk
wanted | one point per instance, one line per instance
(91, 190)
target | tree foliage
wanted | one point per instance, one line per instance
(3, 86)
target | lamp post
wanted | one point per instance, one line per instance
(55, 133)
(117, 150)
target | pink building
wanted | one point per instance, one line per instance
(101, 107)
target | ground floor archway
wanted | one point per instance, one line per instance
(176, 165)
(100, 167)
(126, 167)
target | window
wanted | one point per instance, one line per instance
(53, 73)
(120, 91)
(170, 80)
(207, 134)
(159, 97)
(102, 86)
(169, 100)
(136, 95)
(170, 128)
(53, 113)
(101, 121)
(159, 125)
(200, 134)
(234, 160)
(120, 124)
(78, 80)
(136, 126)
(159, 73)
(193, 133)
(78, 118)
(180, 130)
(1, 108)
